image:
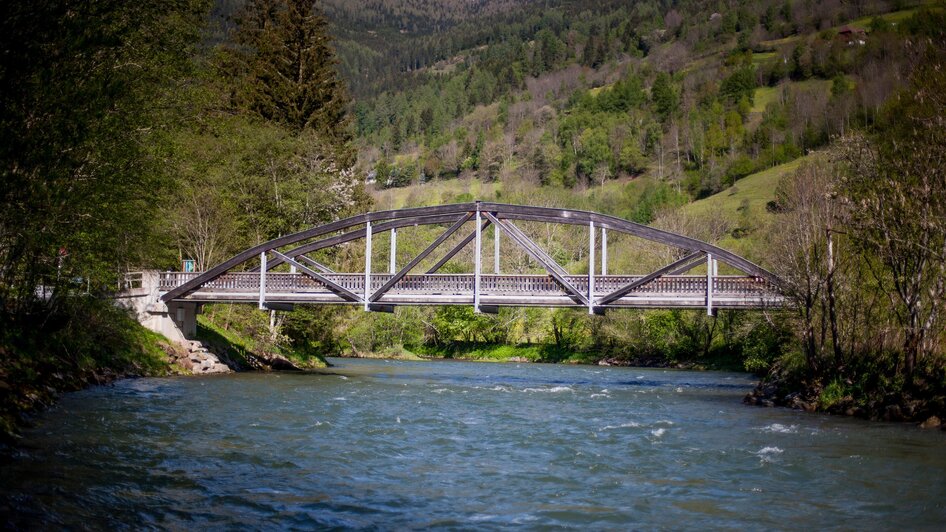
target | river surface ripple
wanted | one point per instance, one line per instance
(395, 445)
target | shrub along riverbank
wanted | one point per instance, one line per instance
(66, 345)
(547, 354)
(81, 342)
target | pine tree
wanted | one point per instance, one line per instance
(663, 96)
(289, 67)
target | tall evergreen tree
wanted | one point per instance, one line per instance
(663, 96)
(288, 67)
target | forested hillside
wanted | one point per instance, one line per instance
(692, 96)
(722, 121)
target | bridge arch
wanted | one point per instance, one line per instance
(375, 294)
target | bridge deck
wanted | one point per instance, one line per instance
(671, 291)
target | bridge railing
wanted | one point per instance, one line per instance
(462, 284)
(131, 281)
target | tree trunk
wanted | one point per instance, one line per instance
(811, 348)
(832, 306)
(911, 348)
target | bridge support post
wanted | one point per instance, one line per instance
(176, 320)
(392, 266)
(476, 261)
(262, 280)
(604, 251)
(367, 264)
(709, 283)
(496, 249)
(181, 321)
(591, 267)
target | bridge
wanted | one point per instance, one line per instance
(281, 273)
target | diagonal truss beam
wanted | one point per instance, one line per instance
(548, 262)
(341, 291)
(628, 288)
(687, 267)
(315, 264)
(540, 256)
(416, 260)
(456, 249)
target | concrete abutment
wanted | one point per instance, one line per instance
(177, 320)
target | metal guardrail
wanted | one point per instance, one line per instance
(462, 284)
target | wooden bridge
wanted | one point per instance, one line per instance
(255, 276)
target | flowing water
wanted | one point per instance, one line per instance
(395, 445)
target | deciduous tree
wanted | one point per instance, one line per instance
(896, 187)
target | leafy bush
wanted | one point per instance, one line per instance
(740, 84)
(832, 394)
(739, 169)
(655, 197)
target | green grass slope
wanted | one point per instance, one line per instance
(743, 208)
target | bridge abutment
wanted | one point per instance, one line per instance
(182, 317)
(177, 320)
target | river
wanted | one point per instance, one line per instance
(395, 445)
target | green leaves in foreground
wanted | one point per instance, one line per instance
(86, 85)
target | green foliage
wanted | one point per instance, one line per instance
(927, 22)
(376, 333)
(461, 324)
(832, 394)
(594, 151)
(244, 326)
(286, 68)
(503, 353)
(624, 95)
(739, 169)
(763, 345)
(243, 181)
(549, 52)
(314, 331)
(88, 89)
(656, 197)
(632, 160)
(664, 96)
(740, 84)
(567, 328)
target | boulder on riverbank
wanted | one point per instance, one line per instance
(198, 359)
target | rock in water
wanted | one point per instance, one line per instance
(931, 422)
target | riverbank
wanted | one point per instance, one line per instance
(541, 353)
(236, 347)
(82, 342)
(922, 404)
(89, 342)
